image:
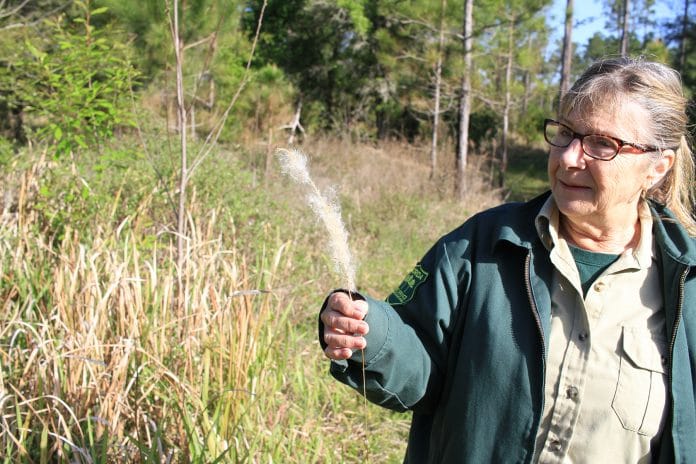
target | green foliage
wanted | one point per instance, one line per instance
(6, 152)
(640, 15)
(688, 73)
(531, 124)
(74, 84)
(407, 48)
(526, 176)
(76, 194)
(320, 47)
(356, 11)
(483, 127)
(146, 23)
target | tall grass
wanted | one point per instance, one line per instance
(98, 365)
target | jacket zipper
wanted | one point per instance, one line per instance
(677, 320)
(535, 312)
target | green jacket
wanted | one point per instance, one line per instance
(462, 342)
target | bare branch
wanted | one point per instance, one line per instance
(408, 56)
(202, 41)
(214, 134)
(12, 12)
(33, 22)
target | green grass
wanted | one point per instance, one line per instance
(526, 176)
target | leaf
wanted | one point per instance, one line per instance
(36, 53)
(57, 133)
(80, 141)
(99, 11)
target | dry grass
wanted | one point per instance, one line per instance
(104, 357)
(365, 171)
(92, 348)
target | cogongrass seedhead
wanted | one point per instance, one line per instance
(328, 211)
(294, 163)
(326, 207)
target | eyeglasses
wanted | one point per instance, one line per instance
(601, 147)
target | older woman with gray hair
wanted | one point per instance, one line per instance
(558, 330)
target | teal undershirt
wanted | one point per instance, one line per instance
(590, 265)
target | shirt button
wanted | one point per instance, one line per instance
(599, 286)
(572, 392)
(582, 336)
(555, 445)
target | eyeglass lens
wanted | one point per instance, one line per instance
(594, 145)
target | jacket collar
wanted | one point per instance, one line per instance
(516, 225)
(672, 237)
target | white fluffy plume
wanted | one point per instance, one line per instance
(294, 164)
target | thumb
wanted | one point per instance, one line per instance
(362, 306)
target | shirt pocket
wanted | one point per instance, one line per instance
(641, 391)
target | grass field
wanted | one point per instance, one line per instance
(109, 353)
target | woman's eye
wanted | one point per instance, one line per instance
(605, 142)
(565, 132)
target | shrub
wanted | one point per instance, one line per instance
(74, 83)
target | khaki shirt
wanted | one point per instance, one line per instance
(606, 384)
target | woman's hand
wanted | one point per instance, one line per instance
(344, 325)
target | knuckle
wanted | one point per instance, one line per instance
(329, 338)
(325, 316)
(335, 299)
(332, 320)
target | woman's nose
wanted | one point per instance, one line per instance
(573, 155)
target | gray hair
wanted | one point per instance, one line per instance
(657, 88)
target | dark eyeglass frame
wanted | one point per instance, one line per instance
(576, 135)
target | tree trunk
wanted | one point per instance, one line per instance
(465, 101)
(507, 103)
(438, 84)
(624, 25)
(567, 53)
(682, 42)
(527, 79)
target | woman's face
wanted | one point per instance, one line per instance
(599, 192)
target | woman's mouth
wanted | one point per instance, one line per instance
(572, 186)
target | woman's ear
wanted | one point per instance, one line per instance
(660, 168)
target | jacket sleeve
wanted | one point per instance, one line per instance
(407, 345)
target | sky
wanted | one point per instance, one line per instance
(589, 17)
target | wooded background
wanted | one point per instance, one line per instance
(374, 69)
(160, 280)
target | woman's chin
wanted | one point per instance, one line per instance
(575, 204)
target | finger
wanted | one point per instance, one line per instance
(342, 303)
(338, 353)
(337, 321)
(338, 340)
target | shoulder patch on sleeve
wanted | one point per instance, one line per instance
(404, 293)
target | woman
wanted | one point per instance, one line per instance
(562, 329)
